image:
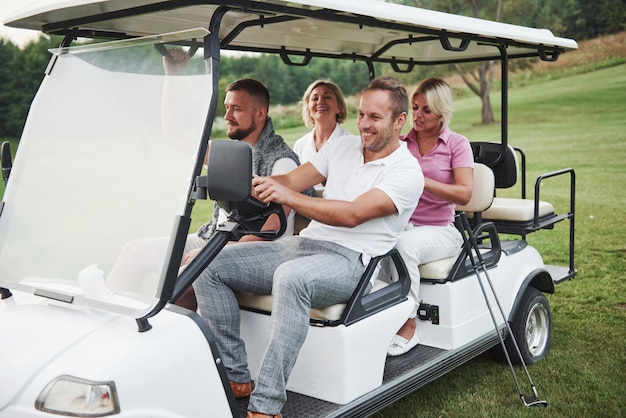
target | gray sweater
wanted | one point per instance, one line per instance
(268, 149)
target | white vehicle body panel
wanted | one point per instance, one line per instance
(100, 346)
(465, 314)
(331, 363)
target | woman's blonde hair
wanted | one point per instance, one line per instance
(332, 86)
(439, 97)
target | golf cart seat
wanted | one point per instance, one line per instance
(373, 294)
(444, 322)
(482, 197)
(225, 160)
(518, 216)
(521, 216)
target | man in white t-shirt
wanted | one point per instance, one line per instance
(373, 184)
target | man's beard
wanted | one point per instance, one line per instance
(238, 134)
(383, 138)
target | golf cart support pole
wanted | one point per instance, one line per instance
(469, 244)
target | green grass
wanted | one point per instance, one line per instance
(575, 121)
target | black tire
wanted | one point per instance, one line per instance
(532, 328)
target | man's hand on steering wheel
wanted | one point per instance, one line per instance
(267, 189)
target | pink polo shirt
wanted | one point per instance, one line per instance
(450, 151)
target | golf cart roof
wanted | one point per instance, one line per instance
(363, 29)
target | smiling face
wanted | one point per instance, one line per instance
(323, 105)
(378, 127)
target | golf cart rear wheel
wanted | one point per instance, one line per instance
(532, 328)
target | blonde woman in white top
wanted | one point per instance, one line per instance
(323, 109)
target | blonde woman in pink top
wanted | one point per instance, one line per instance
(447, 163)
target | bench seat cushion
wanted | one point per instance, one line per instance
(518, 210)
(438, 269)
(263, 303)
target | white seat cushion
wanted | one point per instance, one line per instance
(519, 210)
(264, 303)
(438, 269)
(482, 190)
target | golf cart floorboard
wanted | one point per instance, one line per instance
(403, 374)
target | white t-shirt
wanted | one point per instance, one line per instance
(398, 175)
(305, 146)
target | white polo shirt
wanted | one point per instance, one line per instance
(398, 175)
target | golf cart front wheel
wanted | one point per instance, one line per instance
(531, 327)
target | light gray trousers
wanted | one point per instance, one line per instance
(301, 274)
(423, 244)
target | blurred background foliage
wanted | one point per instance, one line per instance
(23, 68)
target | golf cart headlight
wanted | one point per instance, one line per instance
(71, 396)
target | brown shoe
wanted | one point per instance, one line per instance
(188, 300)
(241, 390)
(260, 415)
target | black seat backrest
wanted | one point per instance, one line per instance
(500, 159)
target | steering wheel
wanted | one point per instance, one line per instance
(251, 214)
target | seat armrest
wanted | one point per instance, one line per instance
(537, 197)
(363, 304)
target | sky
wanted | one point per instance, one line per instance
(17, 36)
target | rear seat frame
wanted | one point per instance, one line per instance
(502, 160)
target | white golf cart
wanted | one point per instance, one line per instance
(109, 168)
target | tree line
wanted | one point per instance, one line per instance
(24, 68)
(576, 19)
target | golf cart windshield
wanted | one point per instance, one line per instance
(100, 181)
